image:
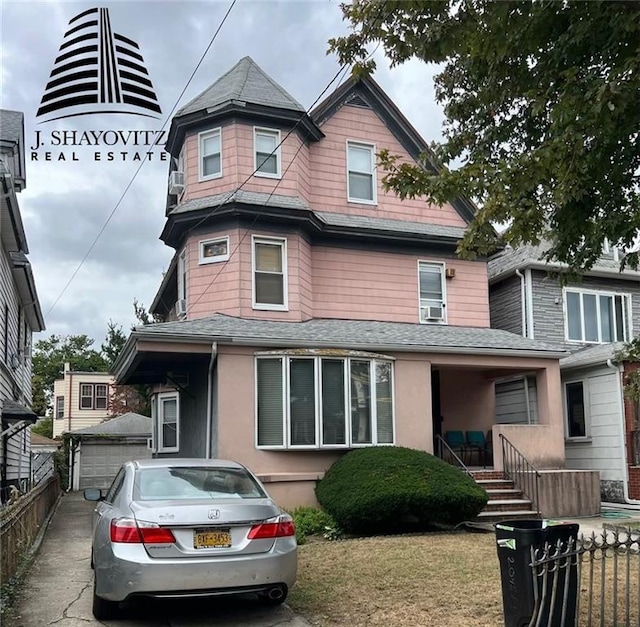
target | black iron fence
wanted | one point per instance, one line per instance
(607, 594)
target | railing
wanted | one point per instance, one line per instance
(596, 579)
(519, 470)
(447, 454)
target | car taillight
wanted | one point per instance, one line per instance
(279, 529)
(127, 530)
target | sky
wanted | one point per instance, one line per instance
(67, 204)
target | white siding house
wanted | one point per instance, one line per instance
(20, 313)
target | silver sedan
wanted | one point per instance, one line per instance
(170, 528)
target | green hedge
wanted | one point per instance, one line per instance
(311, 521)
(389, 489)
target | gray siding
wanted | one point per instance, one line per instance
(548, 312)
(505, 305)
(511, 401)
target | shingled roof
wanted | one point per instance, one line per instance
(245, 82)
(353, 334)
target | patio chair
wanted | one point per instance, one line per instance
(476, 441)
(456, 442)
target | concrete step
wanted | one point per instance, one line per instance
(497, 493)
(495, 517)
(505, 505)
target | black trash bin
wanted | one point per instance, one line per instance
(514, 539)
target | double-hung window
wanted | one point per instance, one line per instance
(575, 409)
(266, 152)
(323, 402)
(269, 273)
(210, 154)
(181, 271)
(432, 292)
(361, 173)
(86, 396)
(593, 316)
(167, 422)
(59, 407)
(92, 396)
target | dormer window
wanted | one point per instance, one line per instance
(210, 154)
(361, 173)
(266, 144)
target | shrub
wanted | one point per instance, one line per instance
(310, 521)
(390, 489)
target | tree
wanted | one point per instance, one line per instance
(44, 427)
(542, 116)
(113, 343)
(49, 358)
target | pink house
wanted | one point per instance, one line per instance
(307, 310)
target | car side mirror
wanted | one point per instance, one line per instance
(93, 494)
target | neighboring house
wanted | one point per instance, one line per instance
(592, 319)
(309, 311)
(20, 314)
(97, 452)
(80, 399)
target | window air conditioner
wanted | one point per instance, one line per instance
(176, 183)
(181, 308)
(432, 314)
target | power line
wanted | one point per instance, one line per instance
(133, 178)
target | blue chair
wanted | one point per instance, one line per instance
(456, 442)
(476, 442)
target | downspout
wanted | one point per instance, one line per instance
(529, 300)
(214, 355)
(522, 303)
(625, 474)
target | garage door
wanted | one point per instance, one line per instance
(99, 463)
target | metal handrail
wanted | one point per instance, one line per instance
(442, 447)
(518, 469)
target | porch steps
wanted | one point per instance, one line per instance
(505, 502)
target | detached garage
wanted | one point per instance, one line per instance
(97, 452)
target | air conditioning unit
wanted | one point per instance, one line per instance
(176, 183)
(432, 313)
(181, 308)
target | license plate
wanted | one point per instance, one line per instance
(211, 539)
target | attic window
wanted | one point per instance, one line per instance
(210, 154)
(361, 173)
(267, 152)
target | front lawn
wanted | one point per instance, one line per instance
(439, 580)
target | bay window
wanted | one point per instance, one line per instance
(269, 273)
(598, 317)
(317, 402)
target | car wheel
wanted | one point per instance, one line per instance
(103, 609)
(273, 597)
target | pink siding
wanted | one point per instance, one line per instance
(364, 285)
(329, 167)
(238, 165)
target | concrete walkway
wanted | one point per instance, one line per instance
(59, 586)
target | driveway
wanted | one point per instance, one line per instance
(59, 586)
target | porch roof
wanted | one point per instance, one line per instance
(329, 333)
(591, 356)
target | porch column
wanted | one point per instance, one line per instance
(551, 414)
(414, 421)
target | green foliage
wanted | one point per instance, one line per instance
(43, 427)
(311, 521)
(113, 343)
(61, 464)
(49, 358)
(541, 115)
(386, 489)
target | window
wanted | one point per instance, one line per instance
(575, 409)
(59, 407)
(6, 333)
(210, 154)
(266, 152)
(269, 273)
(361, 173)
(182, 275)
(323, 402)
(597, 316)
(214, 250)
(168, 419)
(92, 396)
(432, 292)
(116, 486)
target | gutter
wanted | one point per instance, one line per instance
(523, 302)
(529, 302)
(214, 355)
(620, 396)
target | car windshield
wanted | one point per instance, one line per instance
(187, 483)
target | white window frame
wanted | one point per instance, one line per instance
(372, 148)
(319, 444)
(627, 305)
(181, 270)
(161, 398)
(201, 137)
(202, 244)
(271, 132)
(59, 407)
(282, 242)
(83, 396)
(105, 396)
(443, 272)
(587, 413)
